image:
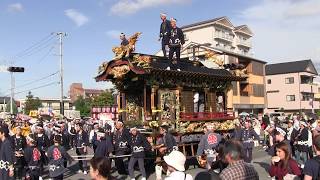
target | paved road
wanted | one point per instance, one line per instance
(261, 163)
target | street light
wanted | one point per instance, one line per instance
(12, 70)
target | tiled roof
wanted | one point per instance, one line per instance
(291, 67)
(187, 67)
(202, 22)
(93, 91)
(4, 99)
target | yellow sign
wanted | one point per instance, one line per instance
(33, 113)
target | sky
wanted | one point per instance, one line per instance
(284, 30)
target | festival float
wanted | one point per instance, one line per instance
(150, 95)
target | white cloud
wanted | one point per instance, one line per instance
(77, 17)
(16, 7)
(284, 30)
(303, 9)
(114, 34)
(125, 7)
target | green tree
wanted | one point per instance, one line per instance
(32, 103)
(83, 105)
(104, 99)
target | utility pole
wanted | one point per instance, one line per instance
(12, 70)
(61, 34)
(12, 92)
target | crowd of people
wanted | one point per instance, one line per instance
(28, 148)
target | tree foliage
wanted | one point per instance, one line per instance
(83, 105)
(104, 99)
(14, 107)
(32, 103)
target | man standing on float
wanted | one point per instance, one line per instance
(175, 43)
(165, 29)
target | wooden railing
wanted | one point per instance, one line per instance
(203, 116)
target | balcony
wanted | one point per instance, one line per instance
(223, 36)
(309, 105)
(309, 88)
(203, 116)
(244, 93)
(244, 43)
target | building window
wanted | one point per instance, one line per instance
(306, 79)
(307, 96)
(185, 37)
(258, 90)
(269, 81)
(289, 80)
(291, 97)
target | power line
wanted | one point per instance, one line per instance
(46, 55)
(34, 51)
(34, 45)
(45, 85)
(34, 81)
(37, 80)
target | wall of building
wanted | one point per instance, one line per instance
(200, 35)
(278, 90)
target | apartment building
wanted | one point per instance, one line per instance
(290, 86)
(232, 44)
(221, 34)
(76, 90)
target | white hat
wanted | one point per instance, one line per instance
(281, 131)
(303, 123)
(133, 128)
(176, 159)
(33, 121)
(163, 14)
(173, 19)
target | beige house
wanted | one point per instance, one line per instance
(232, 44)
(51, 103)
(290, 86)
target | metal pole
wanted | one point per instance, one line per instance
(5, 105)
(61, 73)
(12, 92)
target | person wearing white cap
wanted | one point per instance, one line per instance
(176, 161)
(43, 143)
(208, 145)
(247, 137)
(32, 157)
(302, 144)
(121, 138)
(164, 35)
(139, 145)
(280, 136)
(175, 43)
(123, 39)
(19, 145)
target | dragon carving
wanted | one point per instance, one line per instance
(102, 67)
(211, 55)
(124, 51)
(119, 71)
(141, 61)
